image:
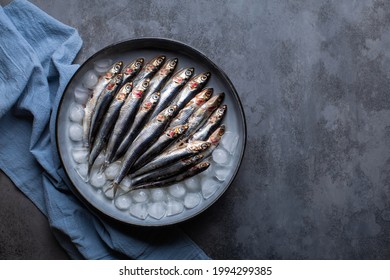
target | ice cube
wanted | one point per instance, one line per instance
(177, 190)
(82, 170)
(101, 66)
(112, 170)
(209, 187)
(123, 202)
(75, 132)
(193, 184)
(221, 173)
(229, 141)
(158, 194)
(221, 156)
(100, 159)
(174, 207)
(139, 210)
(191, 200)
(76, 113)
(140, 195)
(90, 79)
(80, 155)
(157, 210)
(81, 95)
(108, 191)
(98, 179)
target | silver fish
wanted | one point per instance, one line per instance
(125, 119)
(102, 104)
(214, 140)
(131, 70)
(149, 69)
(139, 121)
(108, 123)
(170, 135)
(143, 141)
(191, 107)
(194, 170)
(161, 77)
(91, 103)
(170, 157)
(172, 88)
(191, 89)
(168, 171)
(212, 123)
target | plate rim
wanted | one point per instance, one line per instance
(149, 40)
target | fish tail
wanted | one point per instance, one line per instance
(104, 166)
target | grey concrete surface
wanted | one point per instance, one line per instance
(314, 79)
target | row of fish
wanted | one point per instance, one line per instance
(159, 123)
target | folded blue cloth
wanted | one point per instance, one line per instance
(36, 52)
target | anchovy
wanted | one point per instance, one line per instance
(170, 135)
(139, 121)
(198, 168)
(191, 107)
(161, 77)
(102, 104)
(172, 88)
(131, 70)
(91, 103)
(144, 140)
(191, 89)
(214, 140)
(212, 123)
(167, 158)
(108, 123)
(166, 172)
(125, 119)
(149, 69)
(200, 116)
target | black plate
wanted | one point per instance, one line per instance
(148, 48)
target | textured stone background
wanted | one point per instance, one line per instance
(314, 79)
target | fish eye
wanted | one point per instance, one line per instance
(159, 60)
(128, 87)
(145, 84)
(137, 64)
(203, 78)
(204, 146)
(172, 63)
(155, 97)
(188, 72)
(171, 110)
(117, 67)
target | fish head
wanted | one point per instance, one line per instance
(155, 63)
(201, 166)
(216, 136)
(114, 69)
(117, 80)
(167, 113)
(183, 75)
(203, 96)
(214, 102)
(168, 67)
(140, 88)
(124, 91)
(134, 66)
(219, 113)
(177, 130)
(198, 146)
(199, 80)
(148, 104)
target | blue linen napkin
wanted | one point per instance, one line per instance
(36, 52)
